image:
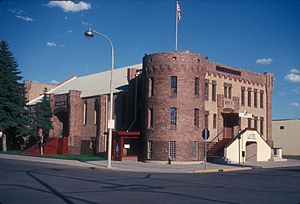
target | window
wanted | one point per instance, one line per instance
(196, 149)
(149, 150)
(173, 119)
(206, 119)
(214, 91)
(173, 86)
(206, 89)
(150, 118)
(249, 122)
(281, 127)
(255, 98)
(172, 149)
(249, 97)
(262, 126)
(255, 122)
(85, 112)
(261, 99)
(243, 96)
(196, 117)
(214, 121)
(150, 87)
(227, 90)
(96, 111)
(197, 87)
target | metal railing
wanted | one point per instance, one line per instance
(218, 138)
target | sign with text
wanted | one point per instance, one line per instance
(111, 124)
(245, 114)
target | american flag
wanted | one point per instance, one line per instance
(178, 12)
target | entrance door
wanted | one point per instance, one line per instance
(251, 151)
(231, 120)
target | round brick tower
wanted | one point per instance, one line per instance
(174, 106)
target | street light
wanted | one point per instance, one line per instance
(90, 33)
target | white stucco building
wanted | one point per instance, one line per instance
(286, 135)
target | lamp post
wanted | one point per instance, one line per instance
(90, 33)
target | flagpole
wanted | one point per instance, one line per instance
(176, 35)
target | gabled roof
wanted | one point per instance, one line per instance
(94, 84)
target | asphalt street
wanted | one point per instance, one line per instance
(30, 182)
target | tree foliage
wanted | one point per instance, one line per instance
(14, 118)
(43, 114)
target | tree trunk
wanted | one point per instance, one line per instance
(4, 147)
(40, 133)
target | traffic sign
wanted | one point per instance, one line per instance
(205, 133)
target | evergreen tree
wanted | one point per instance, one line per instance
(13, 115)
(43, 115)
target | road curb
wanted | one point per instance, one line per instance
(220, 170)
(74, 163)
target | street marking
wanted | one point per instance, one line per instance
(220, 170)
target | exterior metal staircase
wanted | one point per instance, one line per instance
(217, 149)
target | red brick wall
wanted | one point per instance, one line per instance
(75, 121)
(186, 67)
(35, 89)
(269, 92)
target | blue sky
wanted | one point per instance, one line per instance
(47, 38)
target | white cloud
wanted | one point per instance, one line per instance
(25, 18)
(12, 10)
(293, 75)
(53, 81)
(264, 61)
(51, 44)
(70, 31)
(69, 6)
(295, 104)
(295, 71)
(85, 23)
(66, 18)
(16, 11)
(63, 46)
(20, 12)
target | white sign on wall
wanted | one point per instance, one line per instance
(251, 136)
(127, 146)
(111, 124)
(245, 114)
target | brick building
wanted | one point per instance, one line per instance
(169, 99)
(186, 93)
(35, 89)
(80, 109)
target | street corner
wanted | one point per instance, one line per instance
(221, 170)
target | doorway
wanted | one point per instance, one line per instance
(231, 123)
(63, 124)
(251, 151)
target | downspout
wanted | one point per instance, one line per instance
(135, 102)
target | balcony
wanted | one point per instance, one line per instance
(228, 103)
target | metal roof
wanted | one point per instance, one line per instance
(94, 84)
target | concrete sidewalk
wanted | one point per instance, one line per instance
(156, 167)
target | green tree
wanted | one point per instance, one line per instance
(43, 115)
(14, 118)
